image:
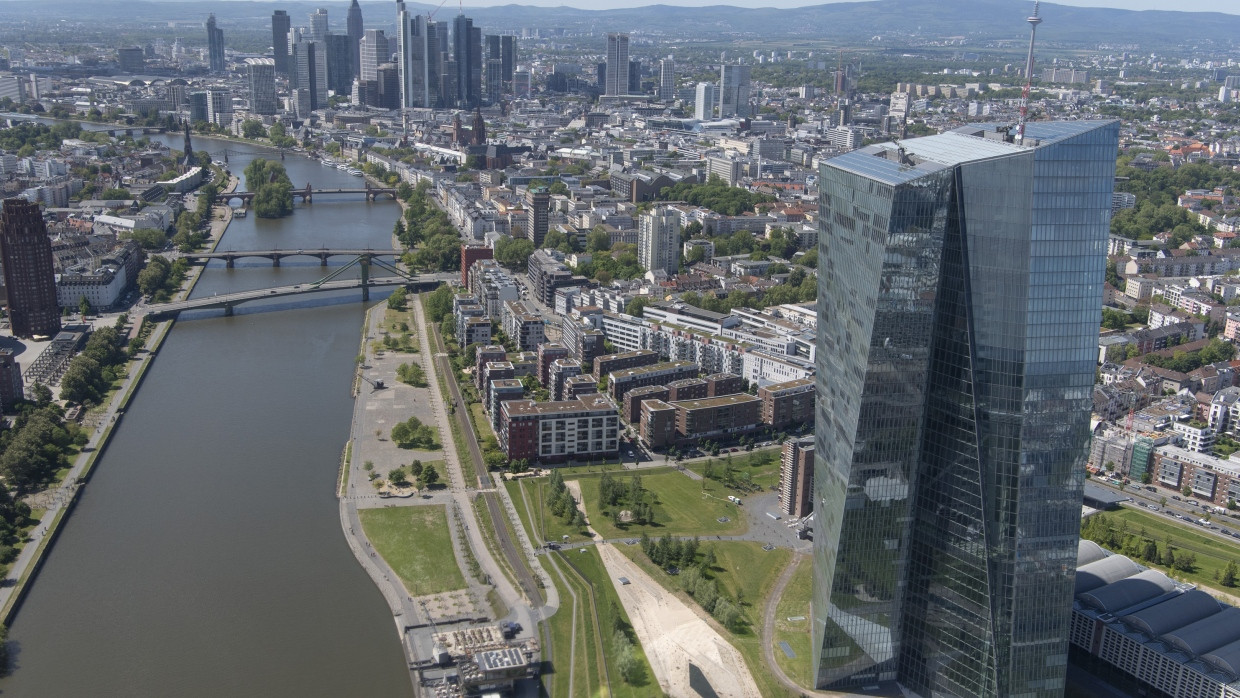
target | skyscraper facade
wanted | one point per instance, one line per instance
(538, 206)
(310, 73)
(280, 24)
(262, 75)
(467, 53)
(957, 337)
(354, 30)
(734, 92)
(318, 25)
(658, 241)
(339, 63)
(704, 106)
(29, 276)
(374, 53)
(215, 47)
(507, 56)
(617, 78)
(667, 79)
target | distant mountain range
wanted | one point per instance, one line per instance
(979, 20)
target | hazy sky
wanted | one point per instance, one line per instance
(1228, 6)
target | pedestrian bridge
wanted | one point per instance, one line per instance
(308, 193)
(230, 256)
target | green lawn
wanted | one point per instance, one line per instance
(1213, 553)
(415, 543)
(482, 424)
(744, 566)
(581, 655)
(759, 469)
(683, 507)
(795, 602)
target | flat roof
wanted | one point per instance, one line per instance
(718, 401)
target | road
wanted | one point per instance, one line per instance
(1224, 526)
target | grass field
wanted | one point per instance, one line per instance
(795, 602)
(575, 667)
(744, 571)
(415, 543)
(482, 425)
(760, 469)
(1213, 553)
(683, 507)
(611, 617)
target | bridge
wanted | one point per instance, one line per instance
(323, 253)
(229, 301)
(307, 194)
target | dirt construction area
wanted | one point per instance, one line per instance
(684, 651)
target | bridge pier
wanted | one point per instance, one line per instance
(364, 263)
(228, 310)
(275, 260)
(228, 262)
(322, 260)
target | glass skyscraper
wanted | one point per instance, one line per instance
(960, 286)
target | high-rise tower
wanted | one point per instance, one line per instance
(617, 79)
(280, 25)
(318, 25)
(957, 338)
(354, 30)
(734, 92)
(667, 79)
(29, 275)
(215, 47)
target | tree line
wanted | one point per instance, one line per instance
(273, 191)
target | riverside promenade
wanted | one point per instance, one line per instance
(489, 591)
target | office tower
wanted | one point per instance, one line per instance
(418, 43)
(704, 106)
(219, 106)
(507, 56)
(467, 53)
(635, 77)
(538, 206)
(310, 72)
(667, 79)
(387, 79)
(339, 63)
(734, 92)
(280, 24)
(197, 106)
(11, 390)
(215, 47)
(658, 241)
(262, 74)
(617, 76)
(131, 60)
(353, 28)
(318, 25)
(29, 277)
(374, 51)
(957, 340)
(521, 83)
(493, 77)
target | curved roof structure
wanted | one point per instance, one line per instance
(1103, 572)
(1128, 592)
(1209, 633)
(1189, 607)
(1087, 552)
(1226, 659)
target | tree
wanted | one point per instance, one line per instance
(439, 303)
(251, 128)
(513, 252)
(636, 305)
(598, 240)
(1229, 574)
(148, 238)
(273, 191)
(397, 300)
(84, 306)
(398, 477)
(428, 477)
(412, 374)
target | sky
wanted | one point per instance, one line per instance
(1227, 6)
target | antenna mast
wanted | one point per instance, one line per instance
(1033, 21)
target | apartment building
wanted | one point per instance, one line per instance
(551, 432)
(787, 403)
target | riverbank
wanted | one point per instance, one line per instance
(65, 495)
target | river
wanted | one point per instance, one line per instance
(205, 557)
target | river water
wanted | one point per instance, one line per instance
(205, 557)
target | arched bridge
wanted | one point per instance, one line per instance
(230, 300)
(230, 256)
(308, 193)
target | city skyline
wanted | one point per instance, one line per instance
(1136, 5)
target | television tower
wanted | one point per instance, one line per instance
(1033, 21)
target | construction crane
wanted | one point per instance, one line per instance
(376, 384)
(1033, 21)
